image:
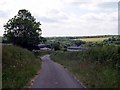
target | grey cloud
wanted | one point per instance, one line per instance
(54, 16)
(75, 2)
(48, 20)
(51, 19)
(79, 3)
(108, 5)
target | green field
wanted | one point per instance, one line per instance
(94, 39)
(19, 66)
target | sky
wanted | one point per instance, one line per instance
(66, 17)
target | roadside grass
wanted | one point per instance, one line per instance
(0, 66)
(19, 66)
(94, 39)
(95, 68)
(0, 39)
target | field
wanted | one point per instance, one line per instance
(19, 66)
(94, 39)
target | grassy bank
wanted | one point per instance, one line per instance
(19, 66)
(96, 67)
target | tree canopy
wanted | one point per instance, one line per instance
(23, 30)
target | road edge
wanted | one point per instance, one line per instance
(30, 83)
(71, 74)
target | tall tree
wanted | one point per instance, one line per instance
(23, 30)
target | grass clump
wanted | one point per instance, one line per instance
(19, 66)
(97, 67)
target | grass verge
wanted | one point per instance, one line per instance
(0, 66)
(19, 66)
(95, 68)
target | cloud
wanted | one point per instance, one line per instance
(53, 16)
(95, 5)
(110, 5)
(66, 17)
(3, 14)
(48, 20)
(89, 24)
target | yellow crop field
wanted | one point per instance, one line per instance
(94, 39)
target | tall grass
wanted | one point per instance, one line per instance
(18, 66)
(0, 66)
(97, 67)
(0, 39)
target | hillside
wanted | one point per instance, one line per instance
(19, 66)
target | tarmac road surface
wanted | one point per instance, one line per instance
(53, 75)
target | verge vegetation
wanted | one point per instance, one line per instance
(19, 66)
(97, 67)
(0, 39)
